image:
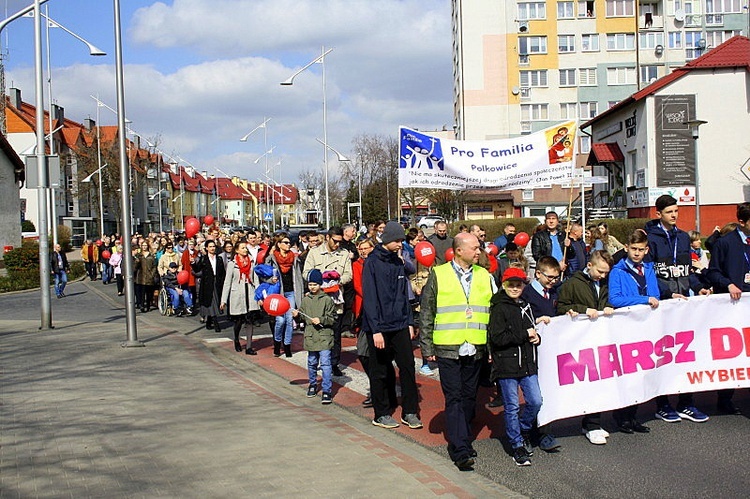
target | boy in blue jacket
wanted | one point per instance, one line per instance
(633, 282)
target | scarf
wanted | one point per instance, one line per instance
(243, 264)
(285, 262)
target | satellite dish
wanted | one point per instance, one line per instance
(515, 90)
(679, 15)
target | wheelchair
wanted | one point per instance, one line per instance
(165, 303)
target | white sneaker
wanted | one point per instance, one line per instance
(604, 432)
(596, 437)
(425, 370)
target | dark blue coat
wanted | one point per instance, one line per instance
(385, 293)
(729, 263)
(539, 305)
(672, 265)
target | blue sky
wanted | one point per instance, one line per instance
(200, 74)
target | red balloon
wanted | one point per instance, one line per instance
(183, 276)
(492, 249)
(192, 227)
(425, 253)
(275, 305)
(98, 242)
(493, 263)
(521, 239)
(261, 258)
(449, 254)
(106, 254)
(208, 219)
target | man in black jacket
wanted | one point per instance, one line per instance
(387, 320)
(551, 241)
(60, 268)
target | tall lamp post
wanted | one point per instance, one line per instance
(94, 51)
(268, 204)
(694, 126)
(290, 81)
(343, 159)
(265, 144)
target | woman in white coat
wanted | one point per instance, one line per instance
(239, 294)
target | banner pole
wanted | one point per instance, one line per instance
(567, 227)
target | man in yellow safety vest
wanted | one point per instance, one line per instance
(455, 311)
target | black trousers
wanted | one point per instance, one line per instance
(683, 400)
(397, 347)
(459, 379)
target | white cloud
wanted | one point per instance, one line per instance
(391, 65)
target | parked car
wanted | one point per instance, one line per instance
(428, 222)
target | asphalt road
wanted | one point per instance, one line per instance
(674, 460)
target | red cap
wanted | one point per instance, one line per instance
(514, 273)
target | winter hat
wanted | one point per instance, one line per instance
(173, 265)
(514, 273)
(315, 276)
(393, 232)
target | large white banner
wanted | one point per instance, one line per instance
(693, 345)
(542, 158)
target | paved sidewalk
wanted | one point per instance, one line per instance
(82, 417)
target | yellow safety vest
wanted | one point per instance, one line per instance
(452, 324)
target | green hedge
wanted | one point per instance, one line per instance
(22, 278)
(621, 228)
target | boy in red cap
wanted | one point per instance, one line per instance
(513, 342)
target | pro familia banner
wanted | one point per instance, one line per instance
(683, 346)
(541, 158)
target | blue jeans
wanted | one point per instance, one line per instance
(324, 359)
(175, 298)
(61, 279)
(106, 272)
(283, 326)
(515, 426)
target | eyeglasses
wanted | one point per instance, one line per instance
(550, 277)
(285, 241)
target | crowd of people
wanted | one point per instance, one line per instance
(474, 321)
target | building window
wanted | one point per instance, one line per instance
(620, 8)
(716, 38)
(620, 76)
(590, 43)
(675, 39)
(587, 77)
(649, 74)
(567, 77)
(584, 146)
(527, 195)
(620, 41)
(692, 48)
(566, 43)
(588, 110)
(565, 10)
(612, 103)
(523, 60)
(724, 6)
(525, 93)
(69, 182)
(532, 45)
(534, 78)
(525, 127)
(531, 10)
(651, 40)
(568, 110)
(534, 112)
(586, 8)
(71, 207)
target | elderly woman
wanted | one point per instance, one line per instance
(238, 293)
(289, 270)
(146, 274)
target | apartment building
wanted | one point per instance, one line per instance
(521, 66)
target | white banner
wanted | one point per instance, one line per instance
(541, 158)
(638, 353)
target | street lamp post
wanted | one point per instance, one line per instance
(268, 205)
(290, 81)
(265, 146)
(694, 126)
(94, 51)
(343, 159)
(132, 331)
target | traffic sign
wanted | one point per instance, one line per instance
(267, 217)
(745, 169)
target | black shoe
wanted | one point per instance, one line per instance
(367, 403)
(728, 407)
(251, 351)
(287, 351)
(521, 457)
(276, 348)
(144, 309)
(465, 463)
(337, 371)
(237, 346)
(472, 452)
(638, 427)
(625, 427)
(217, 328)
